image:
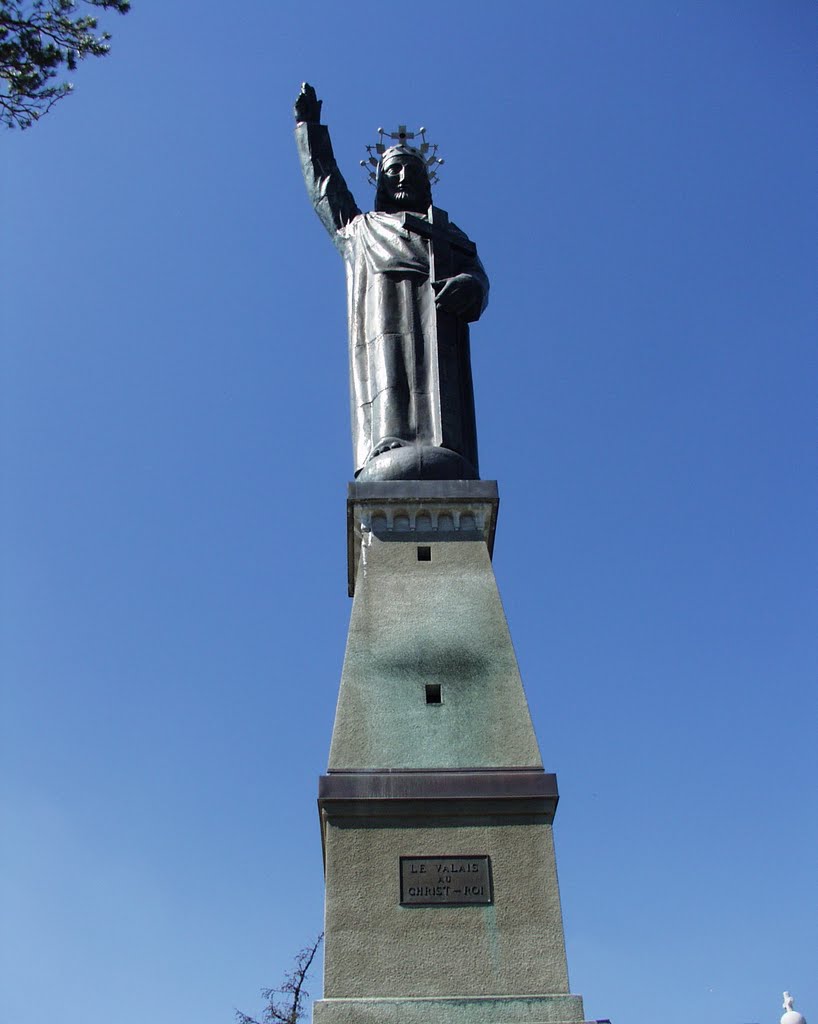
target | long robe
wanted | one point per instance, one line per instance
(410, 373)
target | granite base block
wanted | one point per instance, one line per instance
(541, 1009)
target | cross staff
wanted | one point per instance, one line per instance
(450, 363)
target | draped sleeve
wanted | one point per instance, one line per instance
(328, 192)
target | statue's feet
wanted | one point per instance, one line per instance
(387, 444)
(393, 459)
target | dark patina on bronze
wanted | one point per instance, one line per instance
(414, 284)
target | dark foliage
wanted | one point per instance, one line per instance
(40, 40)
(285, 1005)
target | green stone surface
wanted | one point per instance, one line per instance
(436, 622)
(545, 1009)
(419, 623)
(377, 948)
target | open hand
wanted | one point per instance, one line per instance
(307, 105)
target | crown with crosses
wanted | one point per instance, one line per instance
(426, 152)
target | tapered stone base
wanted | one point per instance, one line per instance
(377, 946)
(434, 764)
(544, 1009)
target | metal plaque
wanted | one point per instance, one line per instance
(453, 881)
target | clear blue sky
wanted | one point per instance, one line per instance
(640, 179)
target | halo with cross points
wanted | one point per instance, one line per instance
(427, 151)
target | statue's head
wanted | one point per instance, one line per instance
(402, 182)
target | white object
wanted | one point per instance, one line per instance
(791, 1016)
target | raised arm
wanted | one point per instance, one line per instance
(326, 187)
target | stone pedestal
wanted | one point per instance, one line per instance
(442, 900)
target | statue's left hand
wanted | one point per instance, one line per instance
(457, 294)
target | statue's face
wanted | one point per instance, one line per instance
(403, 184)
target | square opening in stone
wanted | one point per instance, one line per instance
(433, 693)
(424, 554)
